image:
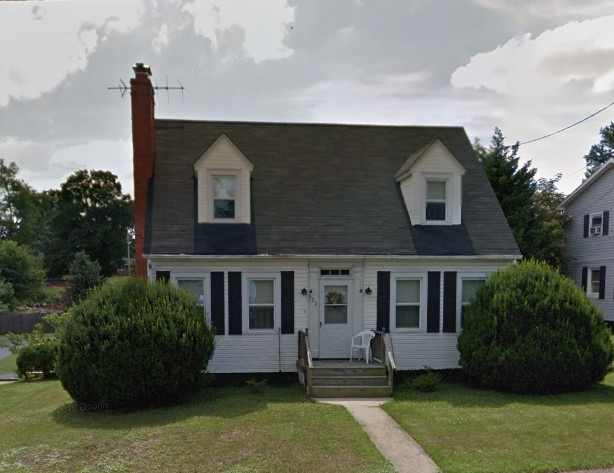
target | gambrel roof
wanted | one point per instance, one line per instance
(317, 189)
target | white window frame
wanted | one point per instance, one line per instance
(205, 278)
(460, 277)
(421, 277)
(211, 173)
(246, 277)
(592, 228)
(589, 279)
(436, 178)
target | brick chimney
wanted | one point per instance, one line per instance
(144, 145)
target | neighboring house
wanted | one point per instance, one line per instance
(588, 239)
(279, 227)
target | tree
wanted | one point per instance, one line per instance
(602, 151)
(528, 204)
(529, 329)
(23, 272)
(92, 215)
(83, 275)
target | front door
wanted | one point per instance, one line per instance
(335, 318)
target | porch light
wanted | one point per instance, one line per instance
(304, 292)
(368, 291)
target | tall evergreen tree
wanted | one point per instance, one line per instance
(529, 205)
(602, 151)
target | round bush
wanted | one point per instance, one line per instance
(531, 330)
(40, 357)
(131, 343)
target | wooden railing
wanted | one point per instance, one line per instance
(304, 364)
(383, 354)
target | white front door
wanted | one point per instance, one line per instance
(335, 318)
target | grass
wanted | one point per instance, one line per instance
(7, 365)
(225, 430)
(477, 431)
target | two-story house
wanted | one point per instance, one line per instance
(281, 227)
(588, 240)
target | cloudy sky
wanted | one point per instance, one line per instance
(530, 67)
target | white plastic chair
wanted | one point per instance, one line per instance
(362, 341)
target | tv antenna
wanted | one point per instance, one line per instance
(123, 88)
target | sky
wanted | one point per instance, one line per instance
(529, 67)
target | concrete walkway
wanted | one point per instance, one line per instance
(395, 444)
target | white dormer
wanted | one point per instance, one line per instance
(431, 184)
(223, 175)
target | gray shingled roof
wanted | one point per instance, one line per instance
(317, 189)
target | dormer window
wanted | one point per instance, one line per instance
(223, 175)
(224, 193)
(435, 210)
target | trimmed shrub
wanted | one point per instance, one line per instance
(426, 382)
(40, 357)
(531, 330)
(131, 343)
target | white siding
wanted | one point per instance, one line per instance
(593, 252)
(267, 352)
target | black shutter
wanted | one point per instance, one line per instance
(606, 223)
(586, 218)
(287, 302)
(584, 277)
(383, 301)
(449, 301)
(235, 317)
(432, 303)
(163, 276)
(602, 282)
(217, 302)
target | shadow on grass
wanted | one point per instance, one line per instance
(229, 402)
(462, 395)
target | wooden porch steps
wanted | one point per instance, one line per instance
(345, 379)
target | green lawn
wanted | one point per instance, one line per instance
(469, 430)
(7, 365)
(224, 430)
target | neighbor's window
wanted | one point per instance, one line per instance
(261, 304)
(595, 224)
(407, 308)
(435, 200)
(594, 282)
(224, 191)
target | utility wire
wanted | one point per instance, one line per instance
(567, 127)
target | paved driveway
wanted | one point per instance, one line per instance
(4, 352)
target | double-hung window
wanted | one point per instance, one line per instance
(436, 192)
(224, 189)
(261, 302)
(196, 286)
(594, 282)
(406, 303)
(469, 285)
(596, 223)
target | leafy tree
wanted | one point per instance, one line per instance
(19, 268)
(6, 295)
(528, 204)
(83, 275)
(92, 215)
(602, 151)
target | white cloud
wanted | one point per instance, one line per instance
(265, 23)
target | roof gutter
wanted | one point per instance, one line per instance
(333, 256)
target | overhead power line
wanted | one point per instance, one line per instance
(568, 127)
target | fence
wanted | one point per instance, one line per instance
(20, 323)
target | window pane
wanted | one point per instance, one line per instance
(408, 316)
(470, 287)
(223, 208)
(596, 220)
(195, 287)
(224, 187)
(436, 190)
(336, 314)
(408, 291)
(261, 291)
(595, 279)
(435, 211)
(261, 317)
(336, 294)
